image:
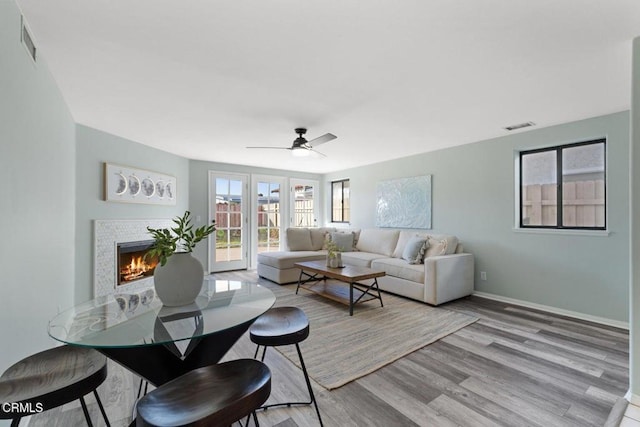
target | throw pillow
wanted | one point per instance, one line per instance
(319, 237)
(441, 244)
(415, 249)
(344, 241)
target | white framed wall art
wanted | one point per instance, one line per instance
(130, 185)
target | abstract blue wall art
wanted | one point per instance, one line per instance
(404, 203)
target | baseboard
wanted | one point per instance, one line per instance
(617, 413)
(633, 399)
(555, 310)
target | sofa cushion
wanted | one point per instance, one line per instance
(318, 236)
(286, 259)
(344, 241)
(360, 259)
(398, 267)
(379, 241)
(415, 249)
(299, 239)
(441, 244)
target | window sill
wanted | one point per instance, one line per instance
(563, 232)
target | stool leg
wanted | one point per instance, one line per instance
(306, 378)
(104, 414)
(86, 412)
(255, 420)
(139, 389)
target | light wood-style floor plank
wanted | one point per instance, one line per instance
(514, 367)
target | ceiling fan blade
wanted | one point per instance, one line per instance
(274, 148)
(321, 139)
(317, 152)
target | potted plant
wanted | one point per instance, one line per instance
(178, 277)
(334, 257)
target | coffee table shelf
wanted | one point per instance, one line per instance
(314, 275)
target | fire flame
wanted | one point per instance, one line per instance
(136, 268)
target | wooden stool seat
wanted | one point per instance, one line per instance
(215, 395)
(280, 326)
(284, 326)
(50, 379)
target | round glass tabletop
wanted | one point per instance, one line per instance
(138, 318)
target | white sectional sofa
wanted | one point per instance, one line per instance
(446, 274)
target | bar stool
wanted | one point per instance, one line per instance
(283, 326)
(50, 379)
(215, 395)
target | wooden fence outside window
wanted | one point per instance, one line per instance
(583, 204)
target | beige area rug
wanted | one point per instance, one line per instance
(342, 348)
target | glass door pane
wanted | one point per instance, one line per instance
(305, 202)
(303, 212)
(229, 213)
(269, 216)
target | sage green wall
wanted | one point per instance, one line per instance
(199, 189)
(37, 179)
(474, 198)
(634, 365)
(94, 148)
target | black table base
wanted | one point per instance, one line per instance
(160, 363)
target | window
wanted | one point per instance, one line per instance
(564, 187)
(340, 201)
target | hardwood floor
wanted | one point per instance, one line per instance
(514, 367)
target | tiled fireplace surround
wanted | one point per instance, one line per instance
(107, 234)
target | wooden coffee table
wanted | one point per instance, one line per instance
(314, 275)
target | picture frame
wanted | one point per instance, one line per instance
(126, 184)
(404, 203)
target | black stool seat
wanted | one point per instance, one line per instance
(215, 395)
(50, 379)
(283, 326)
(280, 326)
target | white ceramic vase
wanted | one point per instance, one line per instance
(179, 281)
(334, 262)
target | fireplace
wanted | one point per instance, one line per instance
(133, 263)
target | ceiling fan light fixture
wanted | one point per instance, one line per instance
(303, 148)
(300, 152)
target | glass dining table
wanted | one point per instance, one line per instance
(160, 343)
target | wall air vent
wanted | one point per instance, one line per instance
(26, 39)
(520, 126)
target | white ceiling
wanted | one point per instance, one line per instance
(206, 78)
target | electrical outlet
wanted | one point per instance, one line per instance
(483, 275)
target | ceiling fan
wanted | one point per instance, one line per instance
(301, 147)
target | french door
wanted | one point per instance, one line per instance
(305, 203)
(228, 203)
(269, 208)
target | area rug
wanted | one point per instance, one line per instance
(342, 348)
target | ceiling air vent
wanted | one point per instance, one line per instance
(520, 126)
(27, 41)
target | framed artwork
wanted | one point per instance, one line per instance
(404, 202)
(130, 185)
